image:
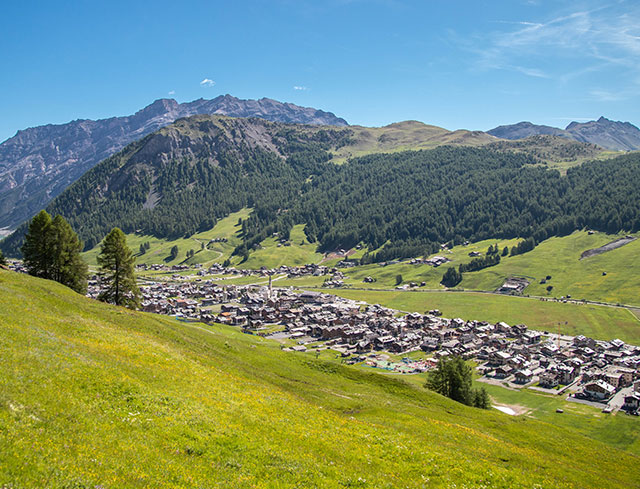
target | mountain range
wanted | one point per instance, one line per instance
(611, 135)
(37, 164)
(185, 177)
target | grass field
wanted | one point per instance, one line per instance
(270, 255)
(386, 276)
(160, 248)
(582, 279)
(599, 322)
(93, 395)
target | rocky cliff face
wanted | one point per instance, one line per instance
(613, 135)
(37, 164)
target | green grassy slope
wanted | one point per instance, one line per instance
(402, 136)
(96, 395)
(161, 247)
(271, 255)
(600, 322)
(582, 279)
(413, 135)
(386, 276)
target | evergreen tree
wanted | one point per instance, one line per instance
(173, 254)
(143, 249)
(67, 267)
(452, 378)
(505, 251)
(481, 398)
(399, 279)
(3, 260)
(37, 245)
(451, 277)
(116, 264)
(52, 250)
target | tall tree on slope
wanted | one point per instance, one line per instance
(116, 264)
(52, 250)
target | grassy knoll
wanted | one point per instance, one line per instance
(414, 135)
(93, 395)
(386, 276)
(600, 322)
(402, 136)
(582, 279)
(618, 430)
(161, 247)
(271, 255)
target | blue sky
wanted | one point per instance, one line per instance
(457, 64)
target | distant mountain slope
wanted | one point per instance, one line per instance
(612, 135)
(405, 135)
(608, 134)
(37, 164)
(523, 130)
(98, 396)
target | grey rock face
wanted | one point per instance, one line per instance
(613, 135)
(37, 164)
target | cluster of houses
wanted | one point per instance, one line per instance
(434, 261)
(588, 369)
(595, 370)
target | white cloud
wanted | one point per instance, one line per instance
(300, 87)
(567, 45)
(172, 92)
(607, 95)
(207, 82)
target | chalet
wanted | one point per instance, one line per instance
(311, 297)
(584, 341)
(503, 372)
(567, 374)
(549, 379)
(598, 390)
(524, 376)
(631, 402)
(532, 337)
(500, 358)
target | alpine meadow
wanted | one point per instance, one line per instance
(320, 245)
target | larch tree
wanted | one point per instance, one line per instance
(52, 250)
(37, 246)
(116, 264)
(67, 267)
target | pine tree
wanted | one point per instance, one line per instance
(52, 250)
(481, 398)
(3, 260)
(67, 267)
(116, 264)
(173, 254)
(37, 244)
(451, 277)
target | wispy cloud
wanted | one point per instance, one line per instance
(300, 88)
(172, 92)
(565, 46)
(207, 82)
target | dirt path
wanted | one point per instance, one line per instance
(608, 247)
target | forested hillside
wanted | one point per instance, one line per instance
(183, 178)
